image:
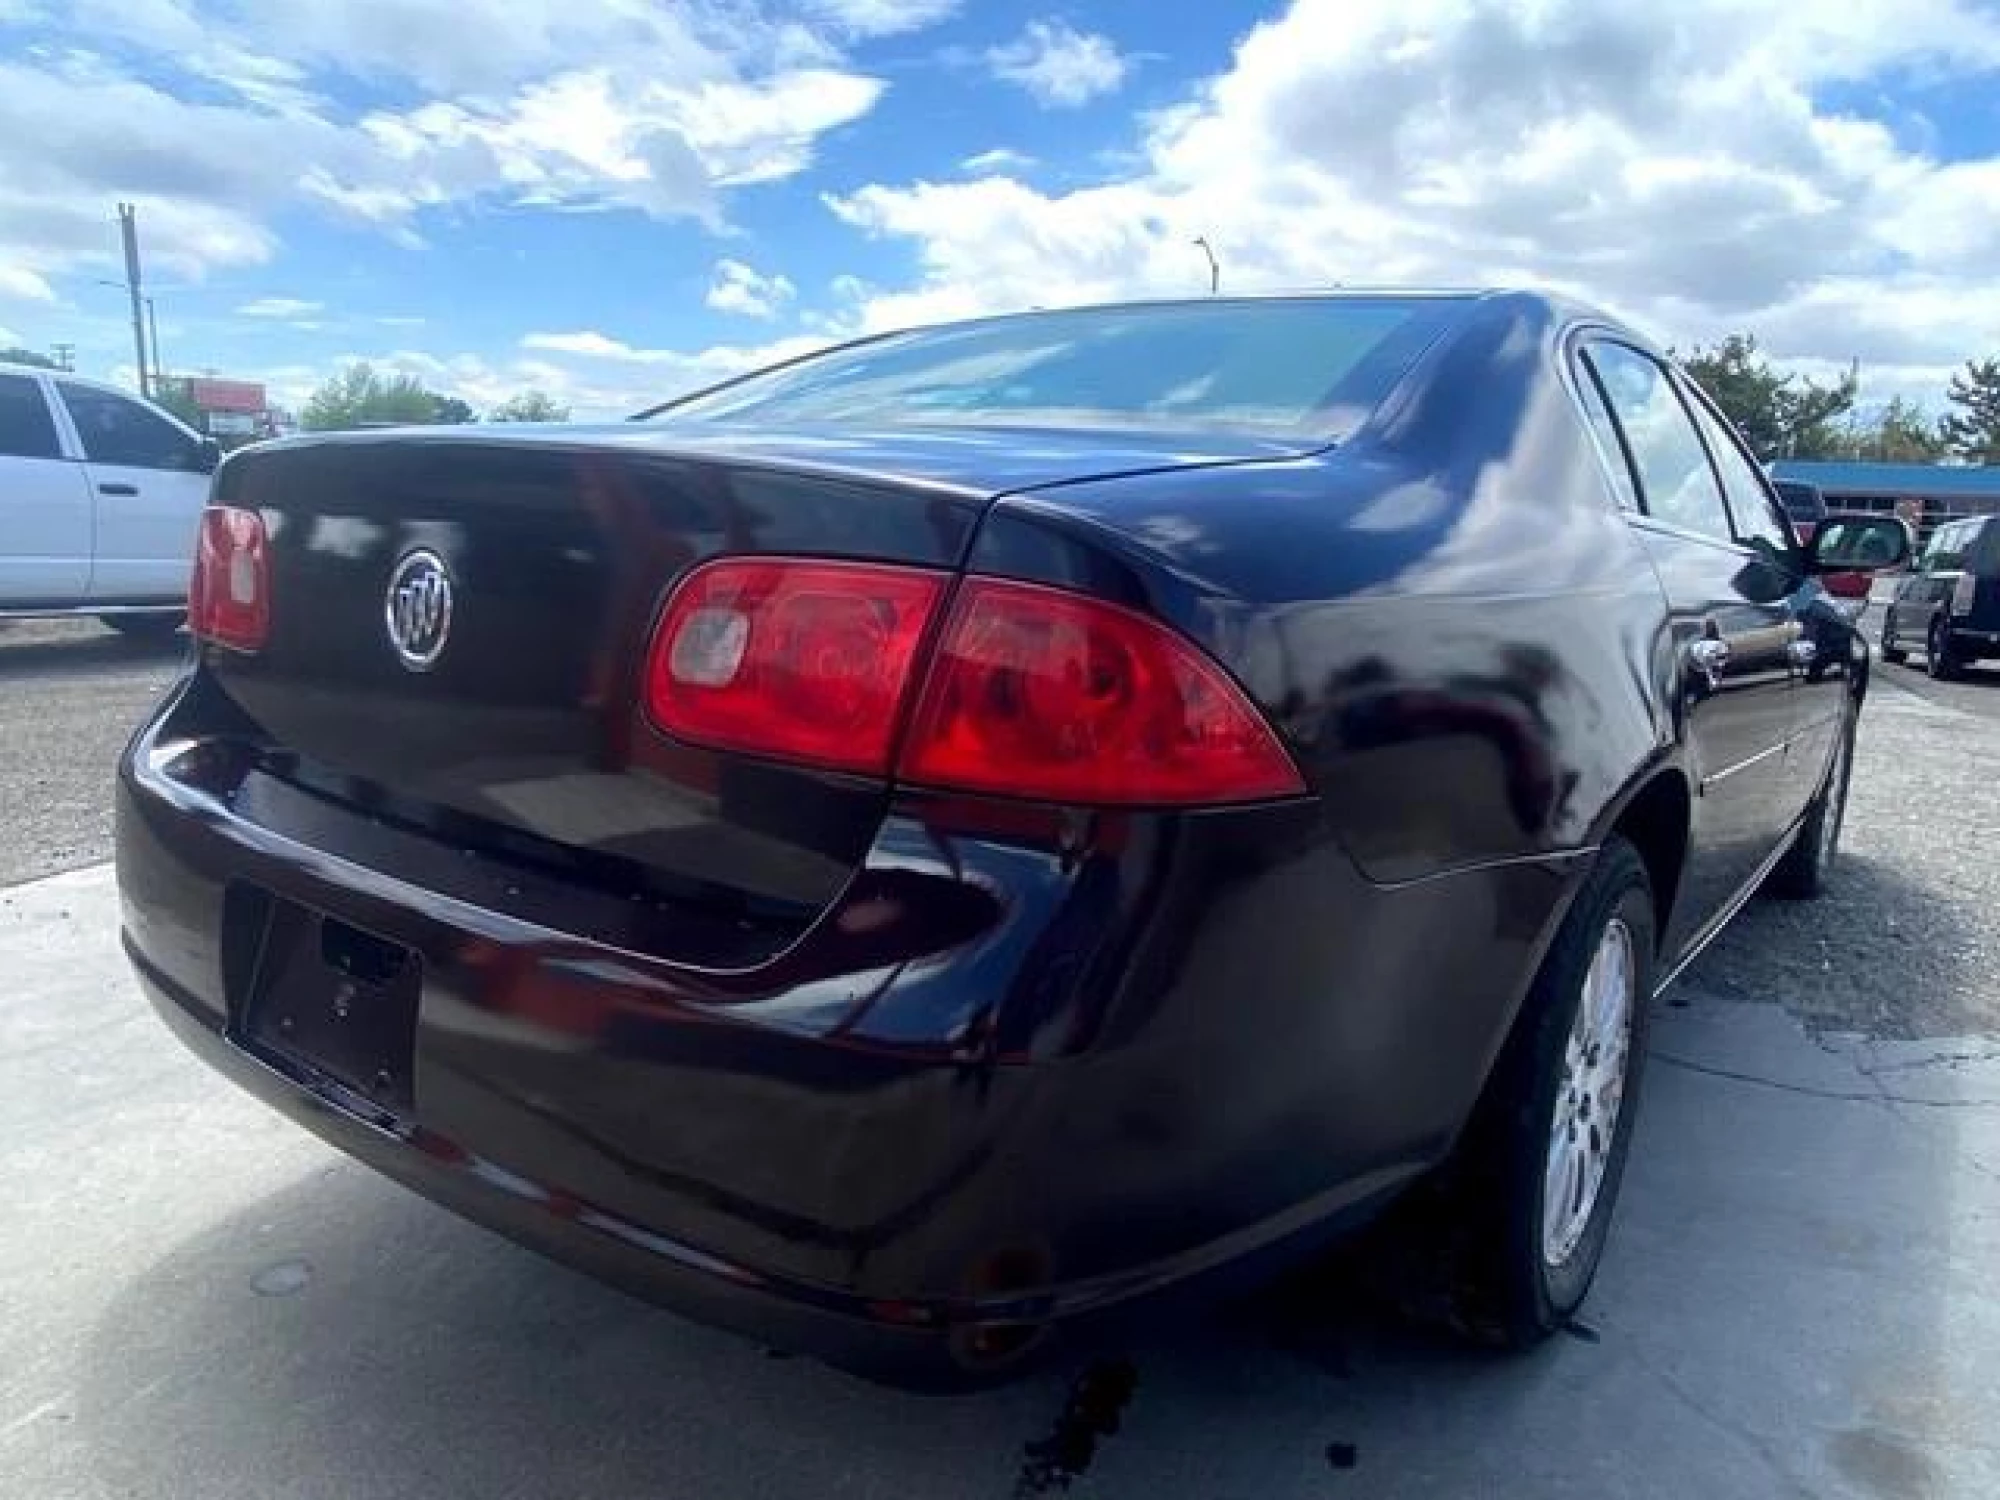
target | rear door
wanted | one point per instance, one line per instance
(149, 478)
(44, 501)
(1818, 651)
(1731, 622)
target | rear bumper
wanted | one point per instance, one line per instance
(910, 1144)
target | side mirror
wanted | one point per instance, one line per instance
(1858, 544)
(207, 455)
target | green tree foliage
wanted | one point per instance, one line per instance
(14, 354)
(1780, 416)
(360, 397)
(529, 406)
(1900, 433)
(1974, 429)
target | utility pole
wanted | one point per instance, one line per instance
(64, 355)
(153, 337)
(128, 226)
(1214, 270)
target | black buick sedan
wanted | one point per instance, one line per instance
(947, 836)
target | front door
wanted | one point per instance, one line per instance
(150, 482)
(44, 502)
(1731, 632)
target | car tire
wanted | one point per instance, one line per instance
(1939, 661)
(1803, 873)
(1892, 653)
(146, 627)
(1525, 1235)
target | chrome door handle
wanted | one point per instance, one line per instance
(1801, 653)
(1709, 656)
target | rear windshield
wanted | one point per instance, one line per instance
(1287, 367)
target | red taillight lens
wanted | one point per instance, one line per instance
(802, 661)
(229, 597)
(1033, 692)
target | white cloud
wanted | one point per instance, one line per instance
(737, 288)
(882, 17)
(25, 285)
(1059, 65)
(1674, 164)
(278, 307)
(999, 159)
(215, 131)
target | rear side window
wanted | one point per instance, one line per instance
(26, 428)
(1983, 553)
(115, 430)
(1757, 519)
(1604, 437)
(1675, 479)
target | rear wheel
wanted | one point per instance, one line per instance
(1531, 1193)
(1802, 874)
(146, 627)
(1939, 661)
(1891, 652)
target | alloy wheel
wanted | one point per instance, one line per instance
(1584, 1122)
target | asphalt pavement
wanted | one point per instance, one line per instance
(70, 696)
(1798, 1300)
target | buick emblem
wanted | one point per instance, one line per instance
(417, 610)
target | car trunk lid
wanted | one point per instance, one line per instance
(524, 738)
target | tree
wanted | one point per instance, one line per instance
(175, 397)
(1901, 432)
(529, 406)
(14, 354)
(1780, 416)
(359, 397)
(1974, 430)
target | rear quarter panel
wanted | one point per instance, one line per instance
(1448, 618)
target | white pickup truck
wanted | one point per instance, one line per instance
(100, 497)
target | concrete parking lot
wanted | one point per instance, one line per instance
(1798, 1301)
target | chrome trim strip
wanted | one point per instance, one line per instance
(1730, 908)
(1743, 765)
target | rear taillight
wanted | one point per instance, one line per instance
(1033, 692)
(1027, 691)
(802, 661)
(1963, 591)
(229, 597)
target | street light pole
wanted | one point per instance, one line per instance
(128, 227)
(1214, 270)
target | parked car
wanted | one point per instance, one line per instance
(1951, 600)
(930, 842)
(102, 496)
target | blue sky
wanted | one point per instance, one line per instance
(615, 199)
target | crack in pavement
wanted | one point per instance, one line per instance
(1873, 1095)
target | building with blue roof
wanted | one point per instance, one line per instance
(1925, 495)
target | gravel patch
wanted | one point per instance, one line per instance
(71, 694)
(1904, 944)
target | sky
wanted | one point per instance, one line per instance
(617, 200)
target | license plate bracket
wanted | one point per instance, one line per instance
(335, 1003)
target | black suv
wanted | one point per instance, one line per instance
(1951, 600)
